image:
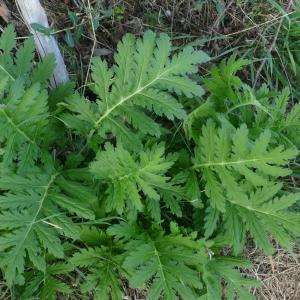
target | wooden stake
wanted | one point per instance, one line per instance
(33, 12)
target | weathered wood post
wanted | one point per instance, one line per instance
(33, 12)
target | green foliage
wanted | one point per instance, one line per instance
(228, 159)
(157, 257)
(284, 122)
(34, 215)
(127, 178)
(224, 81)
(144, 79)
(104, 272)
(240, 178)
(24, 115)
(282, 67)
(98, 194)
(224, 268)
(24, 124)
(47, 283)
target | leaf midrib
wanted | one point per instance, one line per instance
(123, 100)
(236, 162)
(45, 194)
(16, 127)
(263, 212)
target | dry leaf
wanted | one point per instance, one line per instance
(4, 12)
(102, 52)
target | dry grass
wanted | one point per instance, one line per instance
(219, 27)
(279, 274)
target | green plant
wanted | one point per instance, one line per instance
(73, 36)
(105, 191)
(276, 48)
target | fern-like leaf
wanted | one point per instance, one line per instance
(24, 118)
(104, 278)
(227, 157)
(154, 257)
(145, 77)
(284, 122)
(225, 269)
(263, 214)
(24, 125)
(33, 214)
(224, 82)
(127, 177)
(46, 285)
(239, 178)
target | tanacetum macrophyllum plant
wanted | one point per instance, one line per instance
(135, 186)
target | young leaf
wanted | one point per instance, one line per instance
(47, 284)
(154, 259)
(224, 268)
(104, 278)
(128, 177)
(145, 78)
(227, 157)
(33, 214)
